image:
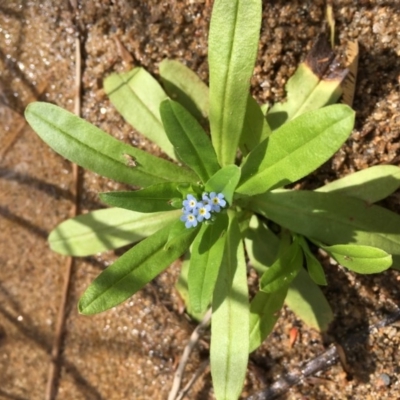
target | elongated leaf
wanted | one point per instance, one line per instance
(191, 143)
(107, 229)
(184, 86)
(262, 245)
(230, 320)
(255, 127)
(314, 267)
(137, 97)
(177, 233)
(332, 219)
(304, 297)
(283, 270)
(264, 312)
(224, 181)
(183, 289)
(232, 50)
(91, 148)
(370, 184)
(315, 84)
(360, 259)
(296, 149)
(206, 257)
(132, 271)
(151, 199)
(308, 302)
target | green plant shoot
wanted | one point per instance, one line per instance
(217, 205)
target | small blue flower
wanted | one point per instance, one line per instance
(205, 198)
(217, 201)
(189, 219)
(194, 211)
(203, 211)
(190, 204)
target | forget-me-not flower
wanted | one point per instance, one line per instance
(189, 219)
(195, 211)
(203, 211)
(217, 201)
(205, 199)
(190, 204)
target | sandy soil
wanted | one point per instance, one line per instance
(131, 352)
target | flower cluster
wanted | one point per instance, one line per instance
(195, 211)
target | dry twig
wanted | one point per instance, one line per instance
(317, 364)
(54, 369)
(193, 379)
(194, 338)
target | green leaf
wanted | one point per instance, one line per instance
(224, 181)
(255, 127)
(370, 184)
(182, 287)
(332, 219)
(185, 189)
(184, 86)
(264, 312)
(283, 270)
(137, 97)
(296, 149)
(91, 148)
(232, 51)
(177, 233)
(307, 301)
(262, 245)
(151, 199)
(315, 84)
(304, 297)
(132, 271)
(191, 143)
(230, 319)
(360, 259)
(314, 267)
(107, 229)
(206, 257)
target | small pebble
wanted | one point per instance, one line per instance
(383, 380)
